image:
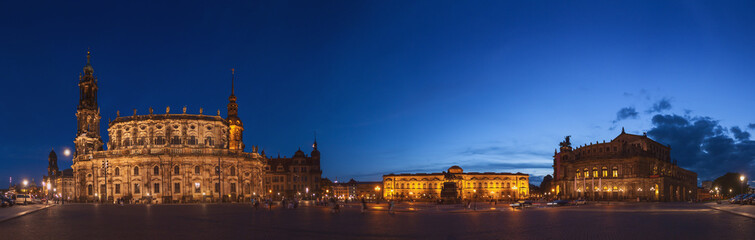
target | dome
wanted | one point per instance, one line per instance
(455, 169)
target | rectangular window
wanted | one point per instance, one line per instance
(137, 188)
(615, 173)
(176, 187)
(605, 173)
(233, 187)
(595, 173)
(196, 188)
(217, 187)
(89, 189)
(157, 188)
(117, 189)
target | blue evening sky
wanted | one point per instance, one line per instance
(389, 86)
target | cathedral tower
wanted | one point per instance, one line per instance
(87, 113)
(236, 131)
(52, 164)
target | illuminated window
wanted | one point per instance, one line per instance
(579, 174)
(196, 188)
(587, 173)
(605, 172)
(594, 172)
(615, 172)
(117, 171)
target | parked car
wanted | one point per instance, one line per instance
(5, 202)
(737, 199)
(747, 199)
(521, 204)
(23, 199)
(580, 202)
(558, 203)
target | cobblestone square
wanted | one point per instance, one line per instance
(410, 221)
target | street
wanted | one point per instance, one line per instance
(236, 221)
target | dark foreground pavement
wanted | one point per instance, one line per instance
(632, 221)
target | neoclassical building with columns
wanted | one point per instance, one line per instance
(162, 157)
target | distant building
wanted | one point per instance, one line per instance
(297, 176)
(628, 167)
(469, 185)
(707, 185)
(61, 182)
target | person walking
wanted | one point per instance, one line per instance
(364, 206)
(390, 206)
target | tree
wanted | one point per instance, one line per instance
(730, 185)
(545, 185)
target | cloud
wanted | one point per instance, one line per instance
(660, 106)
(625, 113)
(739, 134)
(702, 145)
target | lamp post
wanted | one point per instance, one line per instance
(742, 179)
(25, 183)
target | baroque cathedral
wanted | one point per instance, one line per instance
(177, 157)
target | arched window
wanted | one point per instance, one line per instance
(196, 170)
(117, 171)
(208, 141)
(615, 172)
(156, 170)
(233, 171)
(176, 170)
(594, 172)
(579, 174)
(605, 172)
(136, 171)
(192, 140)
(175, 140)
(126, 142)
(587, 173)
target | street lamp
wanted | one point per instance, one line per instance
(742, 179)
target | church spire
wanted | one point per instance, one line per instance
(234, 122)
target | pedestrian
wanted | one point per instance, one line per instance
(390, 206)
(364, 206)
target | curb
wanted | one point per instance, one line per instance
(21, 214)
(734, 212)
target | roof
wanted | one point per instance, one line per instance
(167, 116)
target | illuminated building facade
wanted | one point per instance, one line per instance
(470, 185)
(60, 182)
(297, 176)
(162, 157)
(628, 167)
